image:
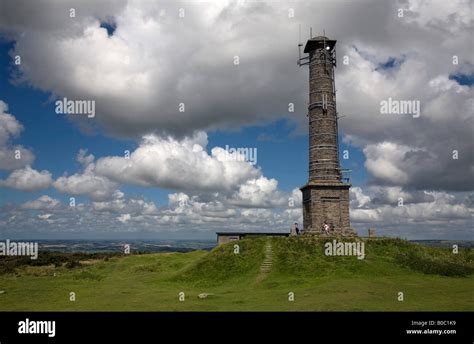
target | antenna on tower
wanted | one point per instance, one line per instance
(310, 32)
(324, 38)
(299, 46)
(301, 60)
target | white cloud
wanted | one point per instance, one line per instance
(9, 126)
(181, 165)
(11, 156)
(422, 215)
(197, 69)
(261, 192)
(365, 215)
(76, 58)
(87, 182)
(27, 179)
(124, 218)
(382, 161)
(402, 150)
(358, 198)
(440, 15)
(42, 203)
(190, 212)
(44, 216)
(397, 164)
(394, 195)
(126, 206)
(84, 159)
(442, 216)
(145, 93)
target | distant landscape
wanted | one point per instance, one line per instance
(173, 245)
(90, 246)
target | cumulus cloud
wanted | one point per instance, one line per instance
(121, 205)
(181, 165)
(423, 215)
(86, 182)
(9, 125)
(429, 152)
(138, 86)
(124, 218)
(84, 159)
(44, 216)
(397, 195)
(11, 156)
(140, 75)
(27, 179)
(261, 192)
(442, 216)
(42, 203)
(186, 211)
(358, 198)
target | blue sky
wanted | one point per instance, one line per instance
(139, 60)
(282, 148)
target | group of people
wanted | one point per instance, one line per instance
(295, 231)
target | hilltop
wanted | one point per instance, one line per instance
(261, 276)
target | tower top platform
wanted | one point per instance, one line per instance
(319, 42)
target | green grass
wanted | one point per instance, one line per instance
(432, 279)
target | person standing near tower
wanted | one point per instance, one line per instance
(326, 227)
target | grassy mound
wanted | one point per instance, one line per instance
(437, 261)
(303, 256)
(222, 264)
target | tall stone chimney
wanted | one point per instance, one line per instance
(326, 195)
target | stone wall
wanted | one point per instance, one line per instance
(224, 238)
(328, 203)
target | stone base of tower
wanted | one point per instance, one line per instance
(326, 202)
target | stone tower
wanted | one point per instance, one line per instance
(326, 195)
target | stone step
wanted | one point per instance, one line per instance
(267, 263)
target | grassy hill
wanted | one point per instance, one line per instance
(430, 279)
